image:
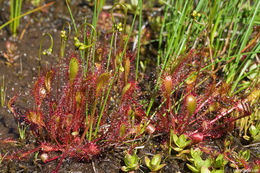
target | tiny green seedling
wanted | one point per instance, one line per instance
(155, 164)
(244, 155)
(220, 163)
(198, 164)
(181, 142)
(241, 158)
(255, 132)
(131, 162)
(22, 130)
(36, 159)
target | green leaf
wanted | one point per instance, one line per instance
(131, 162)
(156, 160)
(245, 154)
(125, 169)
(192, 168)
(177, 149)
(175, 138)
(207, 163)
(181, 141)
(204, 170)
(154, 164)
(158, 167)
(253, 130)
(147, 162)
(220, 161)
(198, 162)
(195, 153)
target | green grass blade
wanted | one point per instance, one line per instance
(139, 39)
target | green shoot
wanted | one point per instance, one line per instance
(220, 162)
(198, 164)
(2, 157)
(235, 68)
(139, 38)
(241, 157)
(15, 10)
(180, 142)
(131, 163)
(36, 156)
(71, 16)
(97, 9)
(22, 130)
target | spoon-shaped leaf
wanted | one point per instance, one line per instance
(73, 69)
(48, 78)
(101, 81)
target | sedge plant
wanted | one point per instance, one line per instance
(15, 11)
(15, 18)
